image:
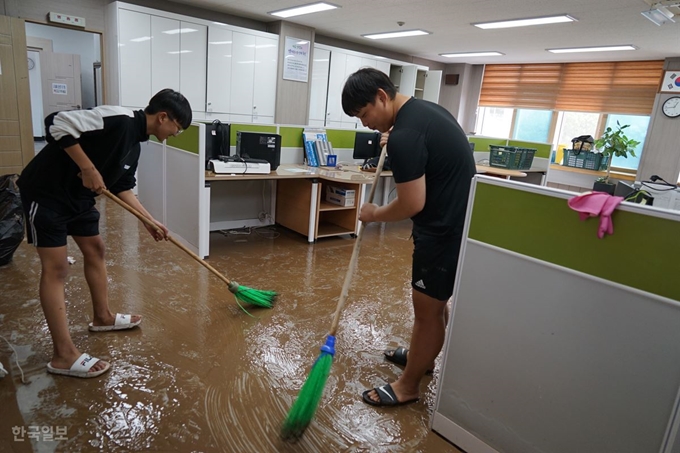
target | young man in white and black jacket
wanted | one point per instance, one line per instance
(87, 151)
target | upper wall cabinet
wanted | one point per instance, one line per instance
(319, 87)
(224, 72)
(156, 52)
(332, 66)
(165, 54)
(192, 57)
(220, 43)
(134, 44)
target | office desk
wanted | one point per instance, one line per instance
(298, 195)
(494, 171)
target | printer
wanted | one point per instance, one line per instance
(239, 165)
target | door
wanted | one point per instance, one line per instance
(134, 46)
(192, 61)
(319, 88)
(264, 90)
(61, 82)
(164, 54)
(433, 80)
(243, 67)
(219, 69)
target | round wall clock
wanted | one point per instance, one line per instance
(31, 64)
(671, 107)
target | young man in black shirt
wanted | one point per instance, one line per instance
(433, 166)
(87, 151)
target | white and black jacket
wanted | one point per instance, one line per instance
(110, 137)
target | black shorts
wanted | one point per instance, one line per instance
(435, 261)
(47, 228)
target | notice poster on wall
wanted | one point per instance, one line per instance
(59, 88)
(296, 60)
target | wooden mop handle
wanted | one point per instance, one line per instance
(357, 246)
(145, 220)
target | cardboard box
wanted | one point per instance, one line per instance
(340, 200)
(341, 191)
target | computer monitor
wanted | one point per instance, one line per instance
(366, 145)
(623, 189)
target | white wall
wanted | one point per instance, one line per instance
(85, 44)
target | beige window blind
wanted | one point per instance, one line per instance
(627, 87)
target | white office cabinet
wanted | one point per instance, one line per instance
(192, 58)
(383, 66)
(219, 70)
(164, 54)
(432, 84)
(253, 78)
(319, 87)
(242, 83)
(336, 80)
(407, 84)
(264, 76)
(134, 46)
(369, 63)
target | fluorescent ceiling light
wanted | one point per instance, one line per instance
(179, 30)
(526, 22)
(142, 39)
(397, 34)
(217, 43)
(304, 9)
(659, 15)
(471, 54)
(593, 49)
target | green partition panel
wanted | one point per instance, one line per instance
(482, 143)
(341, 138)
(544, 227)
(291, 137)
(542, 149)
(187, 140)
(249, 128)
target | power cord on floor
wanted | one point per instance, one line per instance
(3, 372)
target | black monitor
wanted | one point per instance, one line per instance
(366, 145)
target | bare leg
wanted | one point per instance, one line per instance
(95, 274)
(52, 277)
(427, 340)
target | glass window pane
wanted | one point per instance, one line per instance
(494, 122)
(636, 131)
(532, 125)
(573, 124)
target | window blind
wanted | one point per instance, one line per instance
(627, 87)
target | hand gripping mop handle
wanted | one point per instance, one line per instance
(357, 246)
(145, 220)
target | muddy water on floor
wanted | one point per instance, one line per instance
(202, 375)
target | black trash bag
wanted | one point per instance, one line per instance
(11, 218)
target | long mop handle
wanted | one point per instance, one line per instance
(357, 246)
(189, 252)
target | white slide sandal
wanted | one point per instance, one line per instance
(122, 322)
(80, 368)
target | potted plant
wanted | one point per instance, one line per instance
(613, 143)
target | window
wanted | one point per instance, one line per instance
(636, 131)
(573, 124)
(532, 125)
(494, 122)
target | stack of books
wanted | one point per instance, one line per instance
(317, 147)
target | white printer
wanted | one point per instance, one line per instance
(238, 165)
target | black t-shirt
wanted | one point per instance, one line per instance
(427, 140)
(108, 135)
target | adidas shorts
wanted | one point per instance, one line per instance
(435, 260)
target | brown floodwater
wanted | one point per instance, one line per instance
(201, 375)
